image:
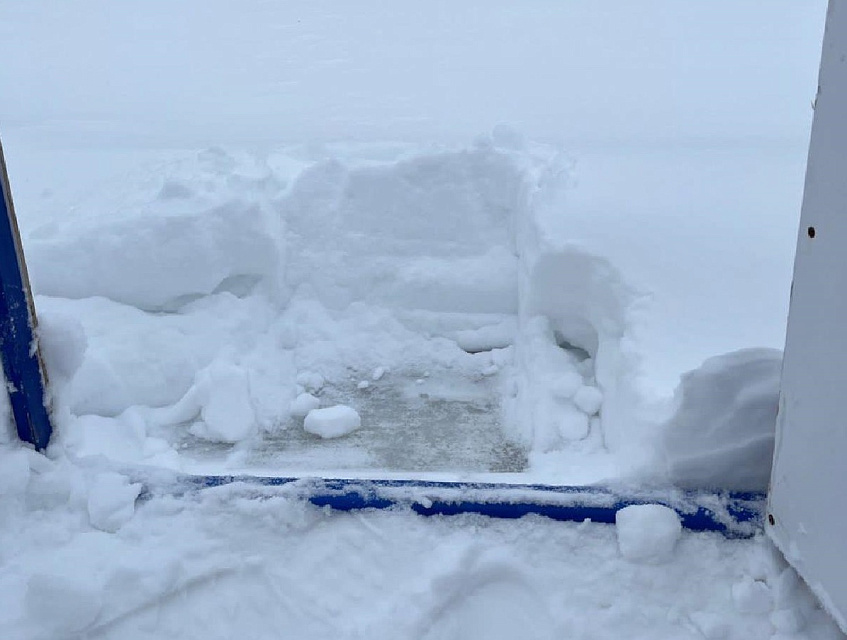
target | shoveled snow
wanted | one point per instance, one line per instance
(526, 237)
(721, 434)
(332, 422)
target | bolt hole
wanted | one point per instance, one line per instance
(811, 232)
(771, 520)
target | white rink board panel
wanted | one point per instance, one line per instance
(807, 503)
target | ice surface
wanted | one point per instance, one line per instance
(647, 533)
(722, 432)
(332, 422)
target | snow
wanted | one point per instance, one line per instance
(466, 242)
(306, 402)
(647, 533)
(111, 501)
(722, 431)
(332, 422)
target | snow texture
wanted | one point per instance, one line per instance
(332, 422)
(111, 501)
(237, 213)
(647, 533)
(721, 435)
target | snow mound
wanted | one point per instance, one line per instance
(647, 533)
(111, 501)
(205, 226)
(721, 435)
(332, 422)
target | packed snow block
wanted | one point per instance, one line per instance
(226, 408)
(721, 435)
(332, 422)
(647, 533)
(154, 245)
(433, 232)
(111, 501)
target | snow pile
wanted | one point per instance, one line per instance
(199, 226)
(79, 558)
(721, 434)
(332, 422)
(647, 533)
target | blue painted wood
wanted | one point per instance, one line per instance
(734, 514)
(22, 365)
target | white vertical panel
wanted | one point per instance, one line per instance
(808, 497)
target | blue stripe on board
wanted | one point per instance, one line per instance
(734, 514)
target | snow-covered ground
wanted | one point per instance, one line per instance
(448, 240)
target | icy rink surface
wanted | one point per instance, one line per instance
(500, 234)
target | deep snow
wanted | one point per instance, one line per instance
(498, 234)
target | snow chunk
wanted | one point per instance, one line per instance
(722, 433)
(647, 533)
(71, 604)
(378, 373)
(303, 404)
(332, 422)
(588, 400)
(311, 380)
(752, 596)
(111, 501)
(227, 410)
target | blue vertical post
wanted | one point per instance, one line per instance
(26, 382)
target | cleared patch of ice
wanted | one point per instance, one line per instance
(332, 422)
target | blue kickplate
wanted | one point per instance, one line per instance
(734, 514)
(22, 365)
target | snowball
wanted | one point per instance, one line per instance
(588, 400)
(63, 343)
(66, 604)
(227, 410)
(647, 533)
(310, 380)
(303, 404)
(752, 596)
(111, 501)
(572, 424)
(564, 384)
(332, 422)
(378, 373)
(722, 433)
